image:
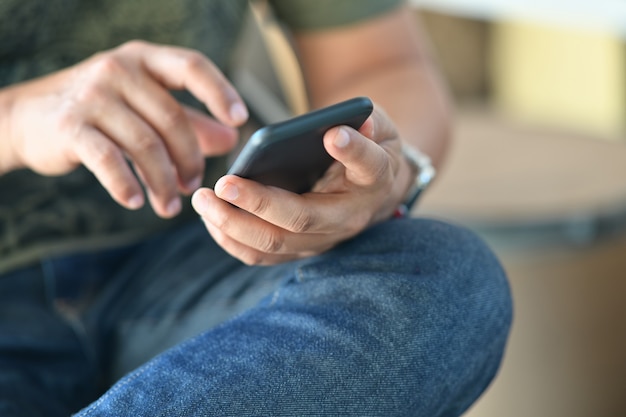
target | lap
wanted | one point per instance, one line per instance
(405, 309)
(410, 317)
(171, 289)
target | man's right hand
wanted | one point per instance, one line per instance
(116, 106)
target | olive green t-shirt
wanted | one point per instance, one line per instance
(46, 216)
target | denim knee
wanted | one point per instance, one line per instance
(425, 294)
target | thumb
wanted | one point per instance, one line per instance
(365, 161)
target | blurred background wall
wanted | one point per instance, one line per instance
(539, 170)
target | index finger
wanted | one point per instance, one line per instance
(180, 68)
(312, 213)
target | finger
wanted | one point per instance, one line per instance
(323, 215)
(213, 137)
(221, 219)
(169, 119)
(106, 161)
(244, 253)
(238, 224)
(366, 162)
(379, 127)
(180, 68)
(148, 153)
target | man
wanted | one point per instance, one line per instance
(311, 304)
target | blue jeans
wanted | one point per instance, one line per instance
(408, 319)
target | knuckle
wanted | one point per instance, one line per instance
(220, 220)
(261, 206)
(383, 173)
(251, 259)
(133, 45)
(301, 222)
(358, 153)
(173, 116)
(104, 157)
(272, 243)
(90, 93)
(193, 61)
(146, 143)
(107, 65)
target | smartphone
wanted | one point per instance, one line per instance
(291, 154)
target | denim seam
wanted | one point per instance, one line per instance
(300, 274)
(275, 297)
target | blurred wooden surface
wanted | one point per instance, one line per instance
(505, 173)
(566, 351)
(512, 184)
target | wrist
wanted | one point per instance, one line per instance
(9, 160)
(6, 150)
(423, 174)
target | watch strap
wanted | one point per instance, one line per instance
(425, 173)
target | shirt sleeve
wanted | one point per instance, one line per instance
(321, 14)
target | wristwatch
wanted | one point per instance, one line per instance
(425, 173)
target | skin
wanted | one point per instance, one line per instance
(115, 107)
(385, 59)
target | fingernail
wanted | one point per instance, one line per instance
(194, 184)
(135, 202)
(173, 208)
(342, 139)
(227, 191)
(238, 113)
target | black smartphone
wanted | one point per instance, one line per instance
(291, 154)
